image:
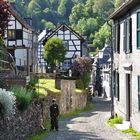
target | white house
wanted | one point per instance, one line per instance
(75, 44)
(102, 69)
(21, 42)
(126, 40)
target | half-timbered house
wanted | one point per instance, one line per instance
(21, 42)
(75, 44)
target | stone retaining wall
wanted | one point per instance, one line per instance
(68, 100)
(21, 125)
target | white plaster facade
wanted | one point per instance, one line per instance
(21, 41)
(126, 63)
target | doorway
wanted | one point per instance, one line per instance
(128, 97)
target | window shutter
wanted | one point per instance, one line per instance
(114, 80)
(124, 36)
(118, 93)
(139, 84)
(116, 34)
(118, 38)
(139, 93)
(130, 34)
(114, 37)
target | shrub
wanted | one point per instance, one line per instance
(7, 103)
(31, 85)
(81, 68)
(132, 132)
(116, 120)
(24, 97)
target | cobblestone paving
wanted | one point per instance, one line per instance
(89, 126)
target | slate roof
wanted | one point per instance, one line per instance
(20, 19)
(63, 25)
(124, 8)
(106, 55)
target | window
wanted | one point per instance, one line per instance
(118, 38)
(66, 44)
(14, 34)
(116, 80)
(19, 34)
(138, 30)
(127, 38)
(139, 93)
(11, 34)
(117, 86)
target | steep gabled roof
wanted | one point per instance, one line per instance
(124, 8)
(20, 19)
(52, 33)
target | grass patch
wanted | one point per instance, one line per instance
(88, 108)
(132, 132)
(115, 120)
(46, 84)
(42, 134)
(78, 90)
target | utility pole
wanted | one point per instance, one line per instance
(111, 76)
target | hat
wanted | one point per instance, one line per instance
(53, 100)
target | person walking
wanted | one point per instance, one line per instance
(54, 112)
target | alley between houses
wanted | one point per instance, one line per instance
(89, 126)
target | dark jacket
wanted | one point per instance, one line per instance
(54, 110)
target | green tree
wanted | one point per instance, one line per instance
(76, 14)
(54, 51)
(62, 7)
(119, 3)
(47, 24)
(102, 36)
(89, 8)
(94, 12)
(87, 27)
(103, 8)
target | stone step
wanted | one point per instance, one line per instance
(125, 125)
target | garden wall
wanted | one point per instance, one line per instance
(21, 125)
(68, 100)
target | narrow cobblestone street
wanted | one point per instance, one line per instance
(89, 126)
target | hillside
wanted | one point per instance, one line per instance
(87, 17)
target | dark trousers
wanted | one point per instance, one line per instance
(54, 123)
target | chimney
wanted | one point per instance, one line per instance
(13, 5)
(28, 20)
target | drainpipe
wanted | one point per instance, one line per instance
(111, 76)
